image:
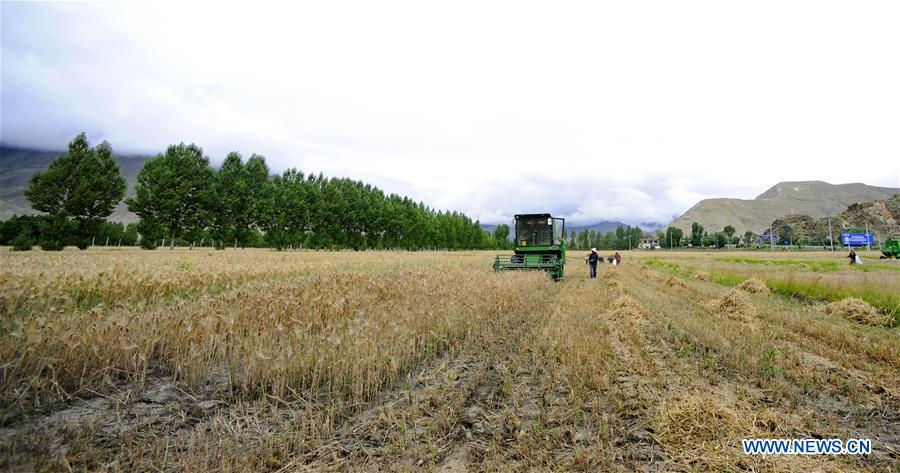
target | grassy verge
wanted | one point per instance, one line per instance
(668, 267)
(882, 300)
(875, 267)
(817, 266)
(808, 287)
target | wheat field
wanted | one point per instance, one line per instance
(256, 360)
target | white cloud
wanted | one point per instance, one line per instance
(596, 110)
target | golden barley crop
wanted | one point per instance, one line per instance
(251, 360)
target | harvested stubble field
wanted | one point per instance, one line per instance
(256, 360)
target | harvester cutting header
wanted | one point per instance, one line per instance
(540, 245)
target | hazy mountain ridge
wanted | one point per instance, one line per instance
(813, 198)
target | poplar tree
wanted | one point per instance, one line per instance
(77, 192)
(173, 191)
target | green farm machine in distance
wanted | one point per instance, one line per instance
(891, 248)
(540, 245)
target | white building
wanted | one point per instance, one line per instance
(649, 244)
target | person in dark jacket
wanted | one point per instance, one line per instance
(592, 259)
(852, 257)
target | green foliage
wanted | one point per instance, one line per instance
(668, 267)
(150, 234)
(240, 200)
(672, 238)
(882, 300)
(729, 231)
(285, 209)
(727, 279)
(720, 239)
(23, 242)
(768, 363)
(786, 235)
(51, 245)
(180, 199)
(54, 230)
(12, 228)
(696, 234)
(173, 191)
(501, 236)
(818, 266)
(77, 191)
(749, 237)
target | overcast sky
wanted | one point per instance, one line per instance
(628, 111)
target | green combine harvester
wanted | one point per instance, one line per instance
(540, 246)
(891, 248)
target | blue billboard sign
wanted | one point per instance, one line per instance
(857, 239)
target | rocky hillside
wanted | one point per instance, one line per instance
(811, 198)
(881, 216)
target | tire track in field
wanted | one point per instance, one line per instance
(438, 419)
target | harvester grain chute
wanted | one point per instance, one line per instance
(891, 248)
(540, 245)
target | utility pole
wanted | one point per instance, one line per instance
(867, 237)
(830, 236)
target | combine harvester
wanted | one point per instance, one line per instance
(891, 249)
(540, 246)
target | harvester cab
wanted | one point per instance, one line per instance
(540, 245)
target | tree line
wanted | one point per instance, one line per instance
(622, 238)
(628, 237)
(674, 237)
(180, 199)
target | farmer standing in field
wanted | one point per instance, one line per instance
(592, 259)
(618, 258)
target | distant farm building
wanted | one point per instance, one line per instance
(649, 244)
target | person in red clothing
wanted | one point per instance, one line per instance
(618, 258)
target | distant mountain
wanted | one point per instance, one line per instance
(881, 217)
(813, 198)
(17, 165)
(605, 226)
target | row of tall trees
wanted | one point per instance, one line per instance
(622, 238)
(626, 237)
(179, 194)
(674, 237)
(180, 198)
